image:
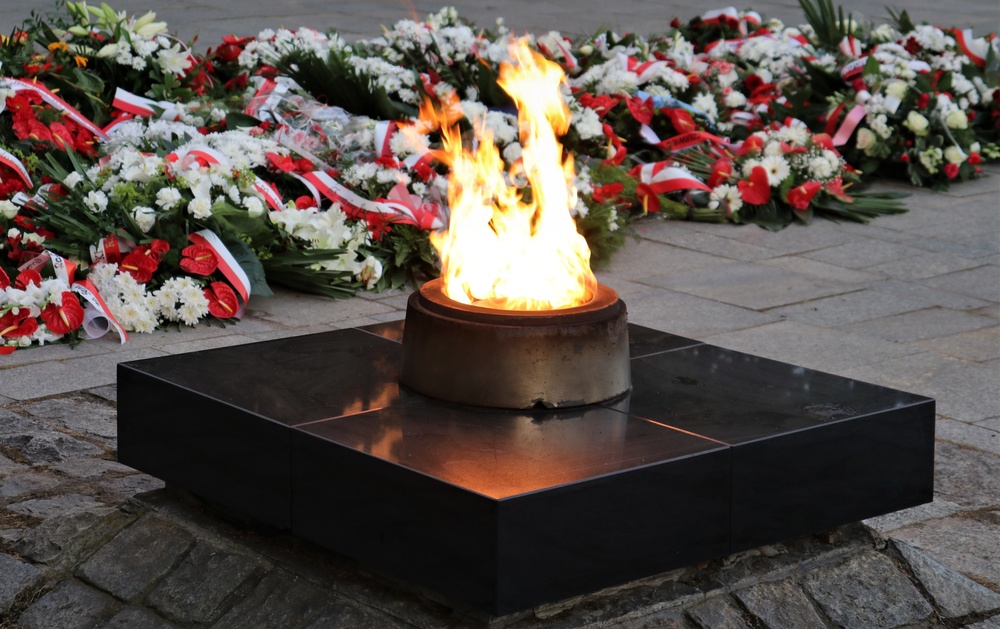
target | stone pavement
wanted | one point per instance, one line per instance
(910, 301)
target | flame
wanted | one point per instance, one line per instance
(507, 248)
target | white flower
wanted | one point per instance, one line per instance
(72, 179)
(200, 207)
(866, 139)
(96, 200)
(370, 272)
(916, 123)
(167, 198)
(956, 119)
(254, 206)
(735, 99)
(954, 155)
(730, 194)
(174, 61)
(145, 217)
(8, 210)
(777, 169)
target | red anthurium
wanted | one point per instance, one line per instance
(607, 192)
(222, 301)
(27, 278)
(64, 318)
(836, 188)
(199, 260)
(649, 200)
(800, 196)
(4, 280)
(14, 325)
(601, 104)
(680, 119)
(159, 248)
(756, 190)
(751, 146)
(642, 110)
(824, 140)
(140, 264)
(721, 171)
(280, 162)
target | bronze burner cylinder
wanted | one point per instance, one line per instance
(515, 359)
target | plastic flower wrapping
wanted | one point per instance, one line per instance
(145, 184)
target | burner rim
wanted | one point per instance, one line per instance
(432, 298)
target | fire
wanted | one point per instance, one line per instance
(508, 248)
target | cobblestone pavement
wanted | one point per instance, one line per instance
(910, 301)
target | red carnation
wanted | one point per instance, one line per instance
(199, 260)
(64, 318)
(222, 301)
(756, 190)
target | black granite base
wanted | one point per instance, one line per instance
(713, 451)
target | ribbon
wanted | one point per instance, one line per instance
(850, 46)
(265, 98)
(851, 122)
(384, 130)
(663, 178)
(270, 194)
(227, 263)
(15, 164)
(354, 204)
(679, 142)
(975, 49)
(111, 249)
(89, 292)
(142, 107)
(19, 85)
(203, 155)
(852, 69)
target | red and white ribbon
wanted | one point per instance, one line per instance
(139, 106)
(227, 263)
(204, 156)
(850, 46)
(353, 203)
(270, 194)
(15, 164)
(92, 296)
(679, 142)
(19, 85)
(975, 48)
(384, 130)
(663, 178)
(718, 16)
(267, 97)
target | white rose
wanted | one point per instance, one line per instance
(8, 209)
(866, 139)
(896, 89)
(956, 119)
(954, 155)
(916, 123)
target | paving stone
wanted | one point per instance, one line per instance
(963, 390)
(963, 544)
(939, 508)
(866, 591)
(824, 349)
(26, 483)
(954, 594)
(780, 605)
(303, 309)
(898, 289)
(666, 619)
(754, 286)
(922, 324)
(137, 557)
(78, 414)
(982, 282)
(184, 347)
(48, 378)
(15, 577)
(977, 345)
(91, 468)
(966, 476)
(822, 270)
(62, 540)
(39, 444)
(972, 435)
(644, 257)
(69, 606)
(863, 253)
(195, 591)
(710, 243)
(993, 423)
(5, 400)
(109, 392)
(718, 612)
(280, 600)
(58, 506)
(796, 239)
(925, 265)
(136, 618)
(128, 486)
(843, 311)
(664, 310)
(981, 245)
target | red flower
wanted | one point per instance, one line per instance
(4, 280)
(824, 140)
(63, 319)
(642, 110)
(199, 260)
(680, 119)
(26, 278)
(14, 325)
(607, 192)
(649, 200)
(722, 170)
(951, 170)
(836, 188)
(800, 196)
(751, 146)
(975, 159)
(756, 190)
(142, 262)
(305, 202)
(601, 104)
(222, 301)
(923, 100)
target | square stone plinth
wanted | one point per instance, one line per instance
(712, 451)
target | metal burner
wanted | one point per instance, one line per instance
(515, 359)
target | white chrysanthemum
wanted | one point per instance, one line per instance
(777, 169)
(200, 207)
(96, 200)
(167, 198)
(72, 179)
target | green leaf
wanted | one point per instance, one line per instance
(250, 264)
